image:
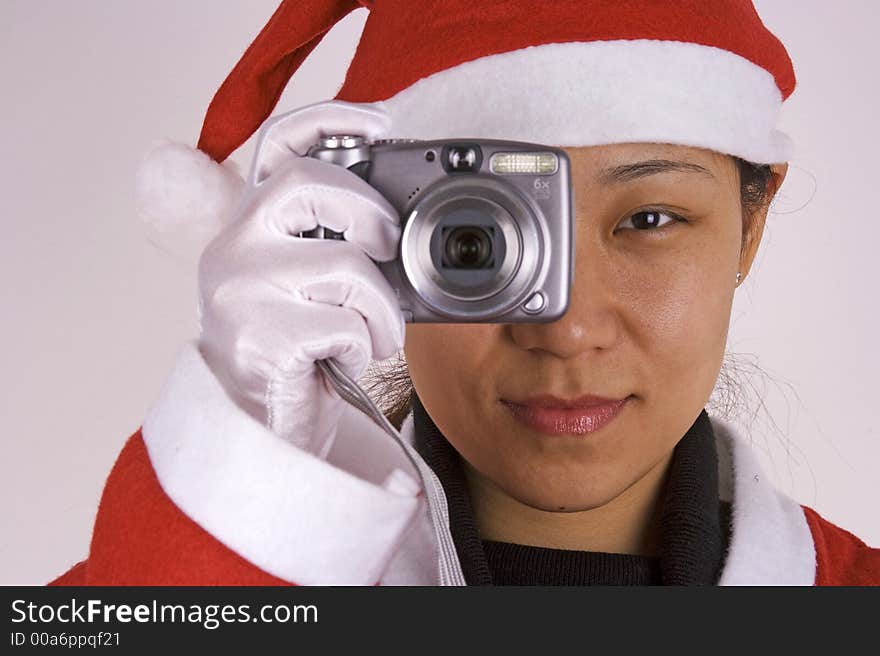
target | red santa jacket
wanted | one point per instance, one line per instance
(205, 495)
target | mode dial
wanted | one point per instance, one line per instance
(342, 141)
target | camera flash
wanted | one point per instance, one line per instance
(534, 163)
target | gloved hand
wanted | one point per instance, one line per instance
(271, 304)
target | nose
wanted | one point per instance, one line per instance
(592, 323)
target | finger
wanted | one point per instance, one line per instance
(289, 296)
(322, 332)
(301, 403)
(309, 192)
(338, 274)
(291, 135)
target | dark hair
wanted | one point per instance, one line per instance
(754, 188)
(388, 382)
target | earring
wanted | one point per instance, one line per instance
(739, 276)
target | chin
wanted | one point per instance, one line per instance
(561, 498)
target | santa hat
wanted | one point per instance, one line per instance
(703, 73)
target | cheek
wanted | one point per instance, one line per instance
(678, 307)
(450, 366)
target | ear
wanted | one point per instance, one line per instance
(755, 226)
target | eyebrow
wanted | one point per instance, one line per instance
(635, 170)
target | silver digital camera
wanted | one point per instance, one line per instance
(487, 232)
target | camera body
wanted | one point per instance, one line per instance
(487, 233)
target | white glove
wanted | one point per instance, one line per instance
(271, 304)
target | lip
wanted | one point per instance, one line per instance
(550, 401)
(545, 415)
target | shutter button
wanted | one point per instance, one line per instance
(535, 304)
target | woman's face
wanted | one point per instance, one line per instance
(657, 251)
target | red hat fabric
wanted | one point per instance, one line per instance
(705, 73)
(250, 92)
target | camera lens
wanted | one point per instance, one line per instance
(468, 247)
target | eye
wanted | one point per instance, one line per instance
(648, 220)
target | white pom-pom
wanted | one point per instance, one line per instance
(185, 197)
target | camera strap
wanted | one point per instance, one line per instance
(449, 568)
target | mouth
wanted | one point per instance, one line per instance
(551, 415)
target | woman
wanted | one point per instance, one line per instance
(250, 469)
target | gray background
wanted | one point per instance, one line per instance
(94, 312)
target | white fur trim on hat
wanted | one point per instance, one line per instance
(184, 196)
(602, 92)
